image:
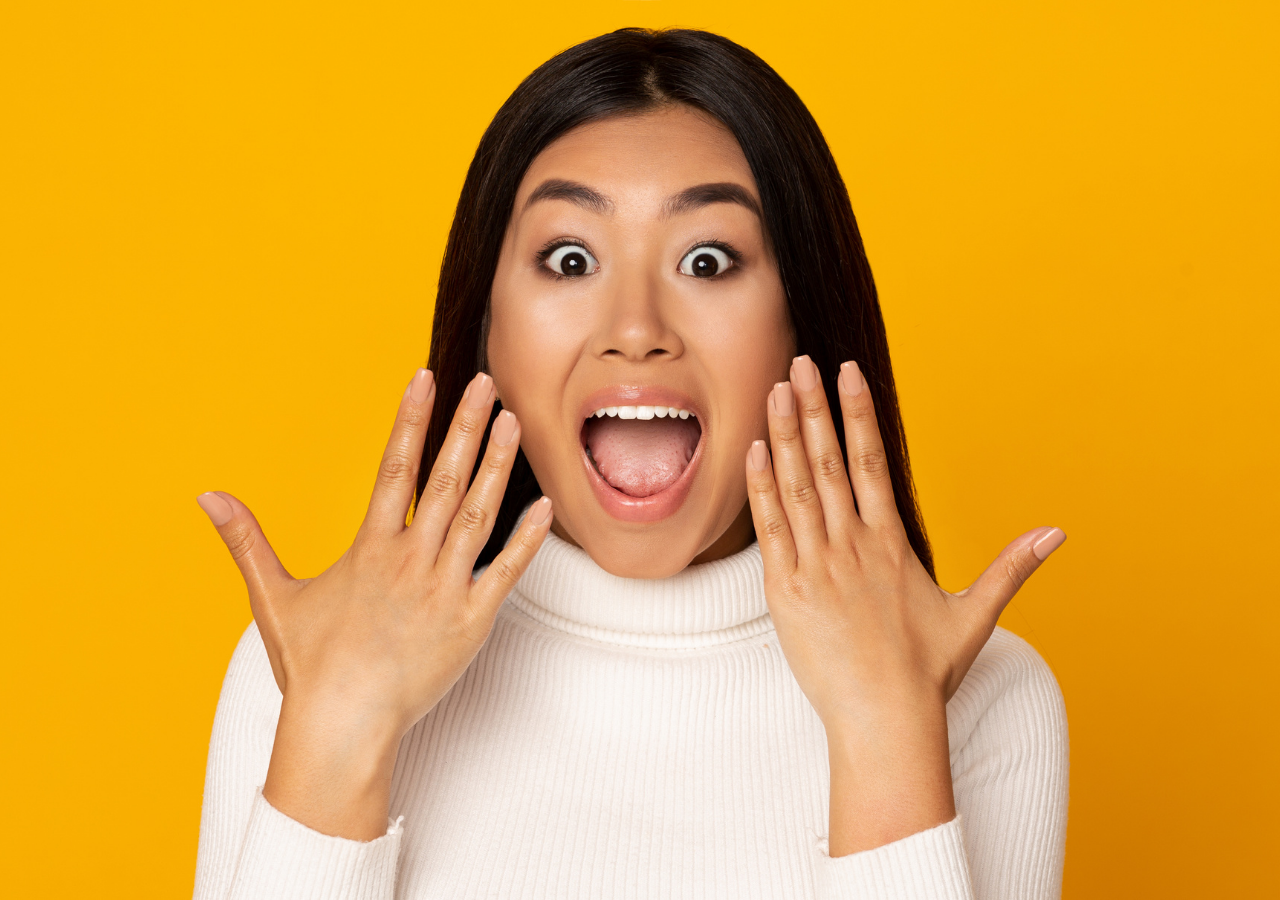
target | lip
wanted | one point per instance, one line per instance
(657, 506)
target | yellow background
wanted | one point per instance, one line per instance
(220, 228)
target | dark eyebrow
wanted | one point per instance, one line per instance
(559, 189)
(705, 194)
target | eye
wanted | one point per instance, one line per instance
(571, 260)
(705, 261)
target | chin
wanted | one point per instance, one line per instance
(662, 548)
(655, 550)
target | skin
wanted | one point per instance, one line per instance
(367, 648)
(638, 321)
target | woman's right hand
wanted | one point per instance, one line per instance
(367, 648)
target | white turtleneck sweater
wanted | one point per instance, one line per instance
(630, 738)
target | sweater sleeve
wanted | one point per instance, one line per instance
(249, 849)
(1007, 729)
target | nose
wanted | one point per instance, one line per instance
(636, 325)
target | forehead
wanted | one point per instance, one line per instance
(643, 157)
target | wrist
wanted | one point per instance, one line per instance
(890, 771)
(331, 768)
(892, 704)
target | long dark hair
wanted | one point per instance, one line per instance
(808, 221)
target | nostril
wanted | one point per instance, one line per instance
(656, 352)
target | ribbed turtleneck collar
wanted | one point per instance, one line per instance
(702, 606)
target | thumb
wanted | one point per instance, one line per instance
(1002, 579)
(261, 568)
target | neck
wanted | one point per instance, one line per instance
(704, 605)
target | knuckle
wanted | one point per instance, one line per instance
(476, 624)
(897, 552)
(828, 465)
(472, 518)
(444, 484)
(394, 469)
(862, 410)
(775, 526)
(793, 586)
(469, 426)
(412, 417)
(799, 491)
(364, 550)
(1018, 568)
(787, 438)
(494, 463)
(241, 540)
(813, 412)
(505, 570)
(872, 463)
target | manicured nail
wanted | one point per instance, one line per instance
(804, 373)
(851, 380)
(218, 510)
(541, 511)
(504, 428)
(1048, 542)
(420, 385)
(480, 391)
(784, 402)
(759, 455)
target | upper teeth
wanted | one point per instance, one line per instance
(643, 412)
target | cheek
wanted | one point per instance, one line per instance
(514, 357)
(513, 334)
(531, 355)
(536, 333)
(748, 352)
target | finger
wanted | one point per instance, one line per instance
(398, 471)
(451, 471)
(473, 524)
(868, 465)
(1002, 579)
(822, 447)
(791, 470)
(493, 586)
(772, 531)
(261, 568)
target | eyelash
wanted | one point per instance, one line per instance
(541, 257)
(727, 249)
(550, 247)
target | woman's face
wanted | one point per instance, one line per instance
(635, 278)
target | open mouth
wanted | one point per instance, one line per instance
(641, 451)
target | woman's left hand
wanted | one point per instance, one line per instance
(877, 647)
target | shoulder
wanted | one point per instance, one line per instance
(1010, 690)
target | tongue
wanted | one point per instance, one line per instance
(641, 457)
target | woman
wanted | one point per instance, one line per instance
(656, 269)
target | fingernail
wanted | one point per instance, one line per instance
(784, 402)
(479, 391)
(759, 455)
(218, 510)
(804, 373)
(1047, 543)
(851, 380)
(420, 385)
(504, 429)
(541, 511)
